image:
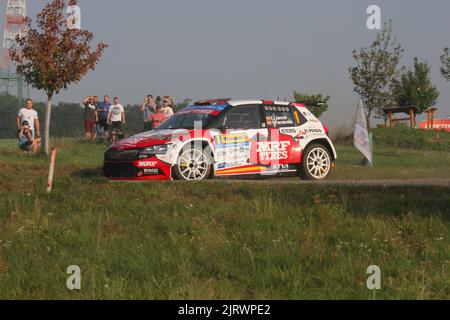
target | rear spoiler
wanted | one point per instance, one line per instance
(208, 102)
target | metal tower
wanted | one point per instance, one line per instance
(16, 15)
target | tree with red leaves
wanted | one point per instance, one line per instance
(52, 57)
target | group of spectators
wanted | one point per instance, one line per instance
(102, 120)
(156, 111)
(106, 120)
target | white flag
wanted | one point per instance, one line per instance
(361, 139)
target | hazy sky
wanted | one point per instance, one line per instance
(248, 48)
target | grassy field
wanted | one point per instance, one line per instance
(217, 240)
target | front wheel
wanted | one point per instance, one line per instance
(316, 163)
(193, 165)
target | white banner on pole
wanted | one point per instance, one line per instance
(361, 139)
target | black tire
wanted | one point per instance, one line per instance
(190, 170)
(316, 163)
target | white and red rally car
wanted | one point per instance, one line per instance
(223, 137)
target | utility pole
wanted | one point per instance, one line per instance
(16, 25)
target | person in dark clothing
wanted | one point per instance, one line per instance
(147, 109)
(27, 143)
(89, 117)
(101, 116)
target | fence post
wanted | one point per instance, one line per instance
(51, 170)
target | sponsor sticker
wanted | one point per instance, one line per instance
(218, 107)
(274, 150)
(305, 132)
(280, 167)
(226, 139)
(200, 111)
(149, 172)
(301, 134)
(281, 120)
(288, 131)
(279, 116)
(146, 164)
(234, 150)
(314, 131)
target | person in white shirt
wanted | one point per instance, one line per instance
(116, 116)
(31, 116)
(166, 109)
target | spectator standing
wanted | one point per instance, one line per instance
(116, 116)
(26, 141)
(31, 116)
(96, 120)
(166, 109)
(89, 117)
(171, 102)
(157, 117)
(147, 108)
(101, 117)
(158, 101)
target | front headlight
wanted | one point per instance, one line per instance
(158, 149)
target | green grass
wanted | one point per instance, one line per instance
(222, 240)
(392, 163)
(403, 137)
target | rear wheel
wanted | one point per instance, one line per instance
(193, 164)
(316, 163)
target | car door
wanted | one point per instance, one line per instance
(282, 150)
(239, 131)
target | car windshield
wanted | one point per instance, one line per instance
(190, 118)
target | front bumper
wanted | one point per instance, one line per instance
(134, 171)
(127, 165)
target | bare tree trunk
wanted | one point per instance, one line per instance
(48, 116)
(369, 115)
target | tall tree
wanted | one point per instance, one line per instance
(414, 88)
(317, 104)
(52, 57)
(376, 71)
(182, 104)
(445, 69)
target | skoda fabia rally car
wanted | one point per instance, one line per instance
(223, 137)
